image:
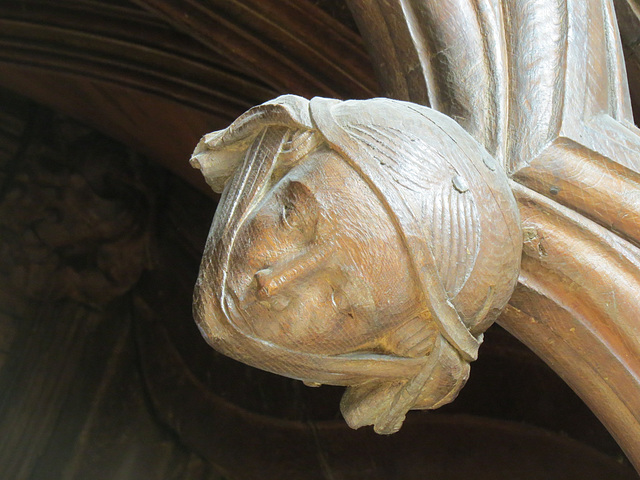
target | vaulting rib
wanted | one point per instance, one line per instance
(449, 54)
(567, 136)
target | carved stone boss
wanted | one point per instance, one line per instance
(370, 243)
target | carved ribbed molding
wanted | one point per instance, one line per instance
(125, 46)
(279, 42)
(123, 70)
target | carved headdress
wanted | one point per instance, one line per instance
(449, 202)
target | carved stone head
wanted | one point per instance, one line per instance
(360, 243)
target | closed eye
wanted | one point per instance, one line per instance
(291, 217)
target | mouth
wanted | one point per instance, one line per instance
(276, 304)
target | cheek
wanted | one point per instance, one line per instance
(252, 249)
(310, 305)
(379, 265)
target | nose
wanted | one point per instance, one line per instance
(271, 281)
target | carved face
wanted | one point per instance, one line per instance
(317, 266)
(406, 248)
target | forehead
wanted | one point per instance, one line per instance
(325, 173)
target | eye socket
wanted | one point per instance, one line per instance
(299, 209)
